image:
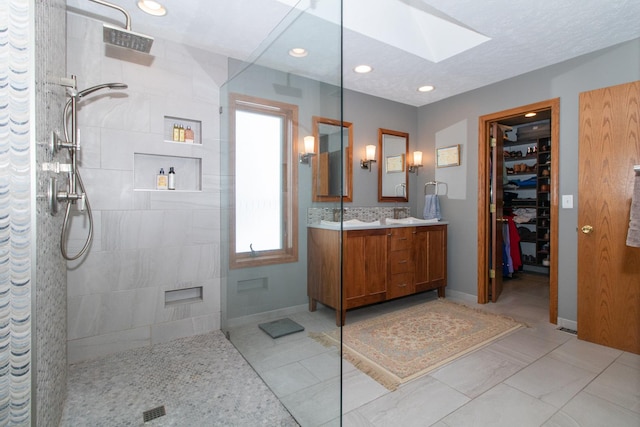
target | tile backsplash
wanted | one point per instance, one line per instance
(363, 213)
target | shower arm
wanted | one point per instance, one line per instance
(113, 6)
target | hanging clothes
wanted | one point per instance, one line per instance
(514, 244)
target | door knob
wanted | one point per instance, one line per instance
(586, 229)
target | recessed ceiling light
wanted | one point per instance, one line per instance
(152, 7)
(363, 69)
(530, 114)
(298, 52)
(426, 88)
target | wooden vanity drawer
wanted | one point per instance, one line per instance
(401, 284)
(400, 261)
(400, 238)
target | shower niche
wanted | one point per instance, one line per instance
(180, 153)
(182, 131)
(147, 166)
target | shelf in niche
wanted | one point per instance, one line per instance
(147, 166)
(195, 125)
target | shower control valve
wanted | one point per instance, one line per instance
(56, 167)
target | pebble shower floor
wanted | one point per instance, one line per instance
(200, 380)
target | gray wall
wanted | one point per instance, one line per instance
(616, 65)
(286, 283)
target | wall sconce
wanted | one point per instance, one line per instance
(417, 162)
(309, 146)
(370, 156)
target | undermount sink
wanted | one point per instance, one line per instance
(410, 220)
(351, 223)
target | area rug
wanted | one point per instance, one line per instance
(398, 347)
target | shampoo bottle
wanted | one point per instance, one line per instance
(161, 181)
(176, 132)
(188, 135)
(181, 133)
(172, 179)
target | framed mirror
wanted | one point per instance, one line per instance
(393, 185)
(334, 153)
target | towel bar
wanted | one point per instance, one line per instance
(436, 184)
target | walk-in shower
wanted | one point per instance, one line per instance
(76, 193)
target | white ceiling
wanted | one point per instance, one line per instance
(521, 36)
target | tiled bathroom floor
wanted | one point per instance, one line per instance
(537, 376)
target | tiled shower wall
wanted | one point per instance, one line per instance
(146, 242)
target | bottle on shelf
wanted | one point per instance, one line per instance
(162, 182)
(188, 135)
(171, 184)
(181, 138)
(176, 132)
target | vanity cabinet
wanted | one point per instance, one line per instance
(379, 264)
(430, 248)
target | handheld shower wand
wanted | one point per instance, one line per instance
(76, 191)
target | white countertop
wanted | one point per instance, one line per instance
(355, 224)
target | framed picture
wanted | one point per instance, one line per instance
(395, 163)
(448, 156)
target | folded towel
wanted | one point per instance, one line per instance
(431, 207)
(633, 235)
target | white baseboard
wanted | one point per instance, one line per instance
(461, 296)
(566, 323)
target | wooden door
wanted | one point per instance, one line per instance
(496, 212)
(608, 270)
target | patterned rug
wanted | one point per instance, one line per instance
(398, 347)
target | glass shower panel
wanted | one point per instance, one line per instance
(264, 274)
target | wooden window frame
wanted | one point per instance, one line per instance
(289, 112)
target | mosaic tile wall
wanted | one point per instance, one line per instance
(363, 213)
(50, 282)
(15, 214)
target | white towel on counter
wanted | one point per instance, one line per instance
(431, 207)
(633, 234)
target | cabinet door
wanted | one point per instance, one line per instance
(365, 267)
(430, 249)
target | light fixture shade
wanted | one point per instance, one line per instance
(309, 144)
(417, 158)
(371, 152)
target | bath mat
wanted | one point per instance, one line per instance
(398, 347)
(281, 327)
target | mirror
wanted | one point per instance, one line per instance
(393, 184)
(331, 138)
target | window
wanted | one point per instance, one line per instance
(264, 217)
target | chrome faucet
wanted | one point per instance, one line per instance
(338, 213)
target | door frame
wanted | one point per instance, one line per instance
(484, 218)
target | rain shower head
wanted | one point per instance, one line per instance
(124, 37)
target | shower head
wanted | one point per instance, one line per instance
(92, 89)
(126, 38)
